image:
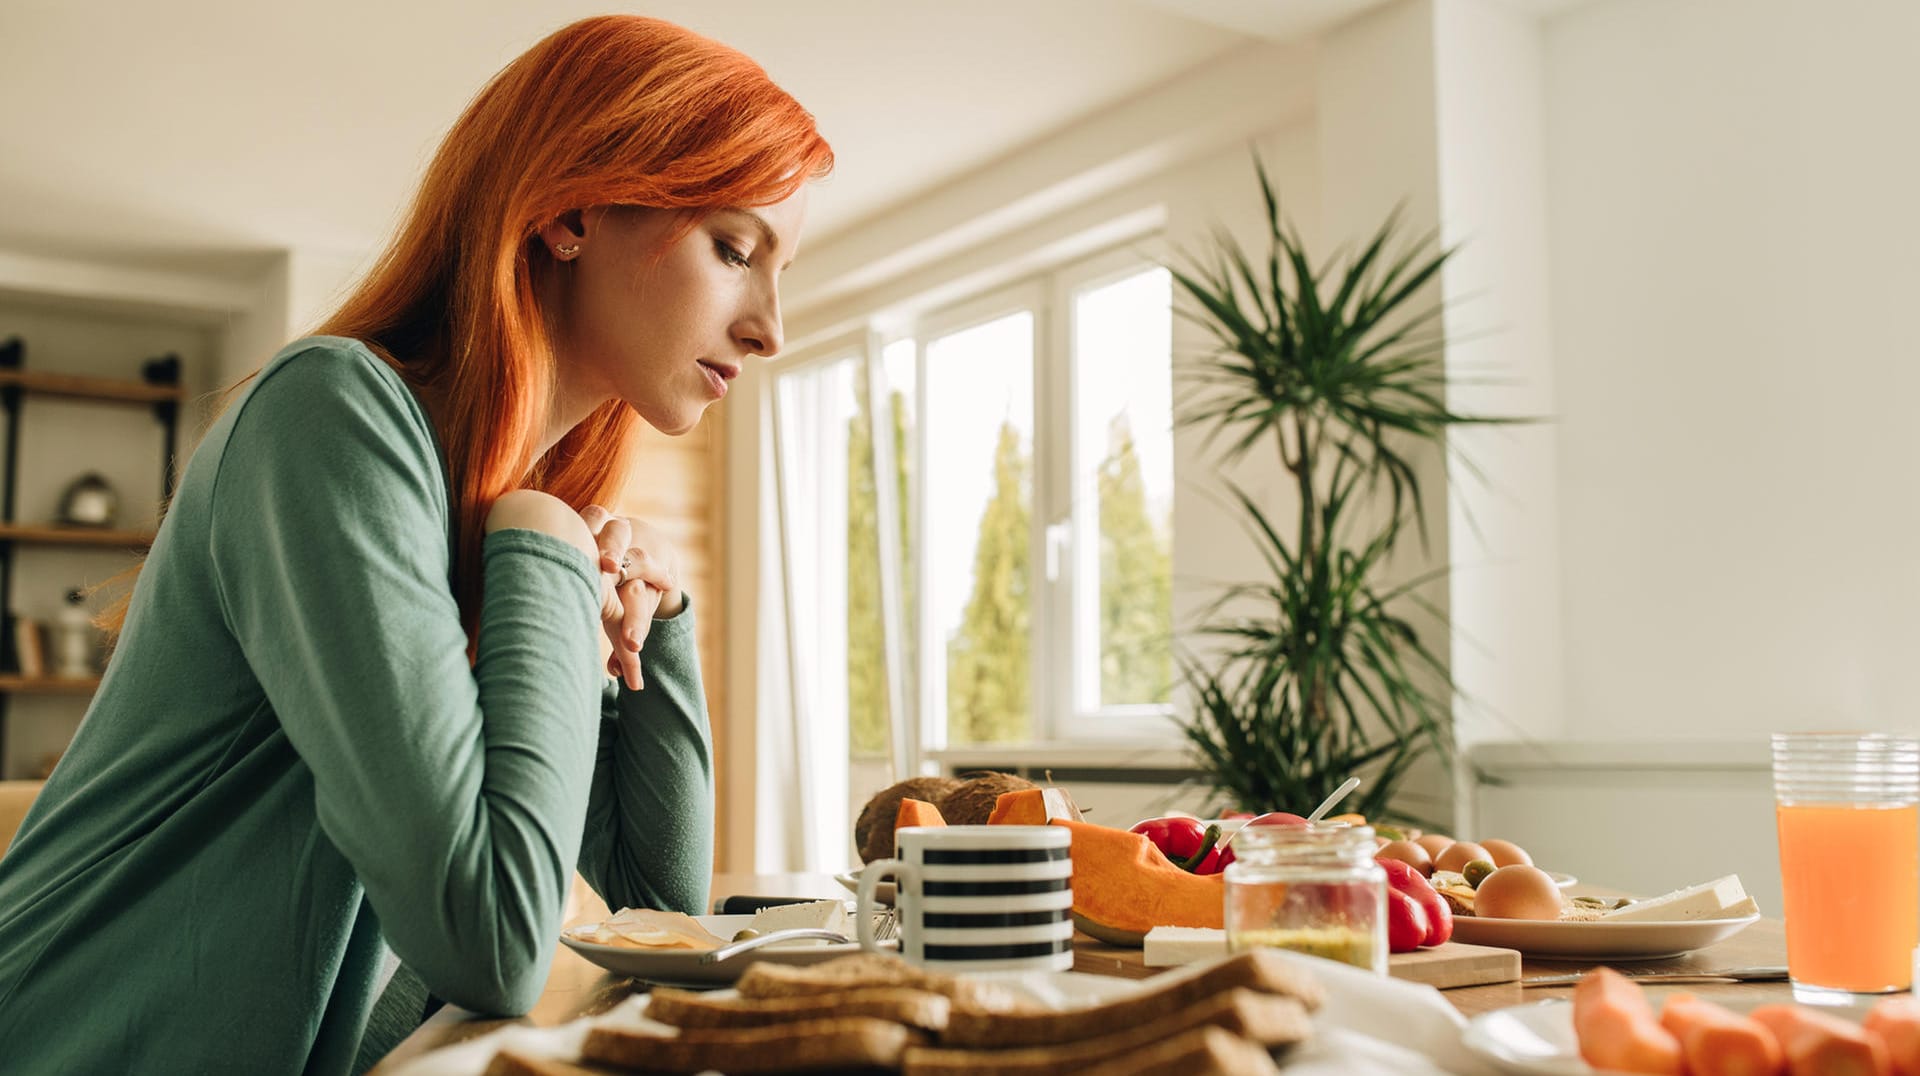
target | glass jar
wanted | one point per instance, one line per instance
(1312, 889)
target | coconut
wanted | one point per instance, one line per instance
(971, 803)
(873, 832)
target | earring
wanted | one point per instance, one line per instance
(568, 250)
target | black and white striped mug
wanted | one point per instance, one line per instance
(978, 898)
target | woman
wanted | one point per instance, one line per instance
(356, 706)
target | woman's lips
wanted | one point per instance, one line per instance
(718, 376)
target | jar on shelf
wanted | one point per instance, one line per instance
(1313, 889)
(74, 639)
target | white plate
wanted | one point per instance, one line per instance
(1598, 941)
(682, 967)
(883, 892)
(1562, 878)
(1538, 1039)
(1534, 1040)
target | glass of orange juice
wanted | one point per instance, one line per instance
(1848, 808)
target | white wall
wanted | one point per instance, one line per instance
(1503, 497)
(1732, 200)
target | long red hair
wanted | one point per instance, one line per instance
(615, 109)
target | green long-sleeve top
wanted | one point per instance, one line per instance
(291, 764)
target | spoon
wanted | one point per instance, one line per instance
(715, 956)
(1338, 795)
(1318, 812)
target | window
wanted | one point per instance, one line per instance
(976, 518)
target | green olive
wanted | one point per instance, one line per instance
(745, 933)
(1390, 833)
(1476, 871)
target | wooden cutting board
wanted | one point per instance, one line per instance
(1456, 964)
(1446, 966)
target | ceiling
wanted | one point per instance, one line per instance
(203, 133)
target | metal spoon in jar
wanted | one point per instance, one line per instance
(1338, 795)
(1319, 812)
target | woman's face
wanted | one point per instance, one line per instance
(666, 330)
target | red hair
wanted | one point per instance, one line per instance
(615, 109)
(610, 110)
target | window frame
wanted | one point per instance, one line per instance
(1082, 718)
(1061, 712)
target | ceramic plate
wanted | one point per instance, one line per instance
(851, 879)
(1598, 941)
(1538, 1040)
(1535, 1040)
(682, 967)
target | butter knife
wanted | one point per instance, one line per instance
(1770, 974)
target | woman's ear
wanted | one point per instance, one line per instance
(564, 235)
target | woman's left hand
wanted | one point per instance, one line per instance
(641, 570)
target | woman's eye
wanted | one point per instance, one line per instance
(730, 255)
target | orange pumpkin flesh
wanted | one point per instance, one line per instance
(1123, 886)
(918, 813)
(1033, 807)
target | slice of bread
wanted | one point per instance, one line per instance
(1206, 1051)
(866, 970)
(835, 1045)
(687, 1009)
(1256, 970)
(509, 1063)
(1266, 1020)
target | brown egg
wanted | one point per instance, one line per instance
(1409, 853)
(1457, 855)
(1434, 843)
(1506, 853)
(1518, 892)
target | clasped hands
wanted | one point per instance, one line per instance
(639, 580)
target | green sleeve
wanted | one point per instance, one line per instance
(649, 836)
(456, 792)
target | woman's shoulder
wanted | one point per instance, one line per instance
(332, 360)
(319, 380)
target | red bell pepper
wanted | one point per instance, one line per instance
(1185, 841)
(1402, 878)
(1407, 924)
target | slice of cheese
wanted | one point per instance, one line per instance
(1168, 946)
(643, 928)
(813, 915)
(1722, 898)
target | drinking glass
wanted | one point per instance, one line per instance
(1848, 810)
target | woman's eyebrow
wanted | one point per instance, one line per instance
(767, 236)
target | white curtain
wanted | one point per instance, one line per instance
(803, 749)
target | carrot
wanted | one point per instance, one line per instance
(1616, 1027)
(1817, 1044)
(1719, 1042)
(1897, 1021)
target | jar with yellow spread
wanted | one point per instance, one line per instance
(1314, 889)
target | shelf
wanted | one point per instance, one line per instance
(75, 387)
(49, 534)
(15, 684)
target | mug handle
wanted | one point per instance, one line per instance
(865, 906)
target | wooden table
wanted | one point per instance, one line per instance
(577, 987)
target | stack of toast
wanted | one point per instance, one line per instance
(872, 1013)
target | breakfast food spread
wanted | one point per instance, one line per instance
(1618, 1030)
(867, 1012)
(1521, 892)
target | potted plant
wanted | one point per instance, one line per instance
(1339, 366)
